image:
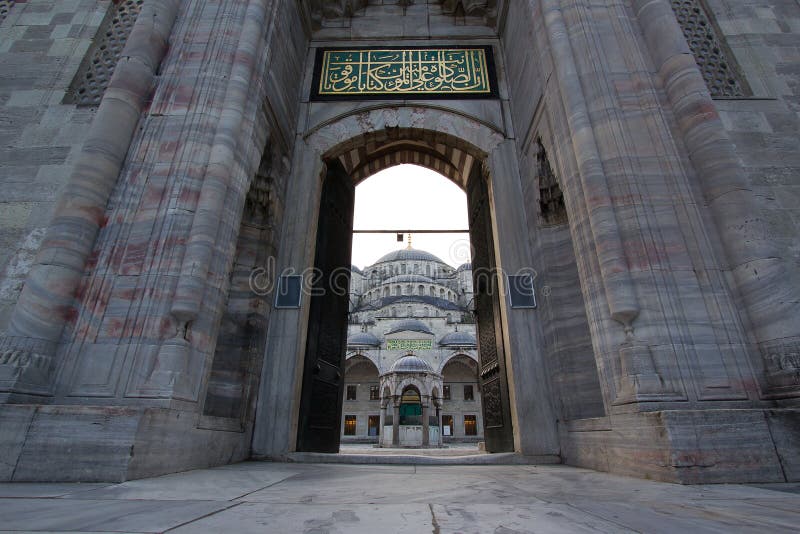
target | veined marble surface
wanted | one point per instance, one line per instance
(314, 498)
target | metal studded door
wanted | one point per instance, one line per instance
(323, 371)
(497, 428)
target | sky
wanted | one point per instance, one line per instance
(410, 197)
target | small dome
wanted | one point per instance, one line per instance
(464, 267)
(410, 364)
(408, 278)
(460, 339)
(409, 254)
(356, 269)
(363, 338)
(410, 325)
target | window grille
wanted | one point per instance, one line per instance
(90, 83)
(719, 71)
(552, 209)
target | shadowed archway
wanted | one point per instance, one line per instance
(346, 164)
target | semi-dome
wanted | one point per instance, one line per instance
(410, 364)
(409, 254)
(460, 339)
(410, 325)
(408, 278)
(363, 338)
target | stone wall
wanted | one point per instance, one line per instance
(225, 77)
(42, 45)
(764, 38)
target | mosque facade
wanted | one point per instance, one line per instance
(411, 375)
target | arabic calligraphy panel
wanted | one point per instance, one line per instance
(402, 72)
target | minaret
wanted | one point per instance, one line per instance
(409, 242)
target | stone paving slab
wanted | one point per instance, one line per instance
(335, 498)
(46, 515)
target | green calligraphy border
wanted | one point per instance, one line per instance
(319, 60)
(422, 344)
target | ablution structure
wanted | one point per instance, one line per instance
(169, 168)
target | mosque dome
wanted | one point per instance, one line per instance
(409, 254)
(410, 364)
(363, 338)
(460, 339)
(410, 325)
(408, 278)
(464, 267)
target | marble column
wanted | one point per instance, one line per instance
(381, 424)
(174, 356)
(396, 425)
(439, 441)
(426, 440)
(637, 374)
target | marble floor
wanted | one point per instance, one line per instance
(330, 498)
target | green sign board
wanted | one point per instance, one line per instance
(403, 72)
(409, 344)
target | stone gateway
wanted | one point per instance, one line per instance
(164, 163)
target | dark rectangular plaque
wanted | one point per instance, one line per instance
(404, 72)
(520, 291)
(289, 291)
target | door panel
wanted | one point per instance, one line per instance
(498, 431)
(323, 371)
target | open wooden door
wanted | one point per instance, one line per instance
(323, 372)
(498, 432)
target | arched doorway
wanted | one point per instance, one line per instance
(361, 403)
(410, 406)
(462, 414)
(468, 152)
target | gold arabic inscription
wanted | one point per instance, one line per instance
(412, 71)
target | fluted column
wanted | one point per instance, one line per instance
(638, 378)
(168, 377)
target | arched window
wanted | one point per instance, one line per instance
(410, 312)
(421, 290)
(408, 289)
(432, 291)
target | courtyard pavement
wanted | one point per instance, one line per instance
(383, 499)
